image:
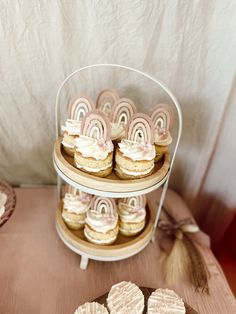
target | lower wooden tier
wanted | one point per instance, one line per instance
(123, 247)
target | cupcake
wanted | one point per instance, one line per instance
(132, 214)
(75, 206)
(94, 148)
(165, 301)
(135, 153)
(121, 113)
(125, 297)
(91, 308)
(102, 221)
(162, 118)
(78, 108)
(106, 100)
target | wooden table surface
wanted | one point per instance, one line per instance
(40, 275)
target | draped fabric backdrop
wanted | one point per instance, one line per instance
(189, 45)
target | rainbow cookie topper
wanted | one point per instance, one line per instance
(106, 100)
(122, 111)
(104, 205)
(135, 201)
(140, 129)
(96, 125)
(79, 107)
(162, 116)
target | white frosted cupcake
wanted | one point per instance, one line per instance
(94, 148)
(78, 108)
(75, 206)
(125, 297)
(106, 100)
(165, 301)
(132, 214)
(102, 221)
(121, 113)
(162, 119)
(135, 153)
(91, 308)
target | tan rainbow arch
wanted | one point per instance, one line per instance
(122, 111)
(162, 116)
(96, 125)
(106, 100)
(135, 201)
(103, 205)
(140, 129)
(79, 107)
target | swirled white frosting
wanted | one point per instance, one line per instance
(165, 301)
(91, 147)
(162, 137)
(72, 127)
(77, 204)
(125, 297)
(91, 308)
(131, 214)
(117, 131)
(3, 200)
(101, 222)
(137, 150)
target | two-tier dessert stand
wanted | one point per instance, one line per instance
(130, 82)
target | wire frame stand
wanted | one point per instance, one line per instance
(84, 256)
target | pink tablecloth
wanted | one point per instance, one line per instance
(40, 275)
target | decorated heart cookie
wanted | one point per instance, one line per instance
(96, 125)
(140, 129)
(79, 107)
(106, 100)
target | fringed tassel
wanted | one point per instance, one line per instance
(198, 272)
(185, 260)
(177, 262)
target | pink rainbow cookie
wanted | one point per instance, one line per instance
(106, 100)
(132, 214)
(162, 119)
(77, 110)
(102, 221)
(125, 297)
(135, 153)
(121, 113)
(91, 308)
(94, 148)
(75, 206)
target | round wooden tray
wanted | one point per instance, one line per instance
(122, 248)
(110, 186)
(10, 204)
(146, 292)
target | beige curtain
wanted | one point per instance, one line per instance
(189, 45)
